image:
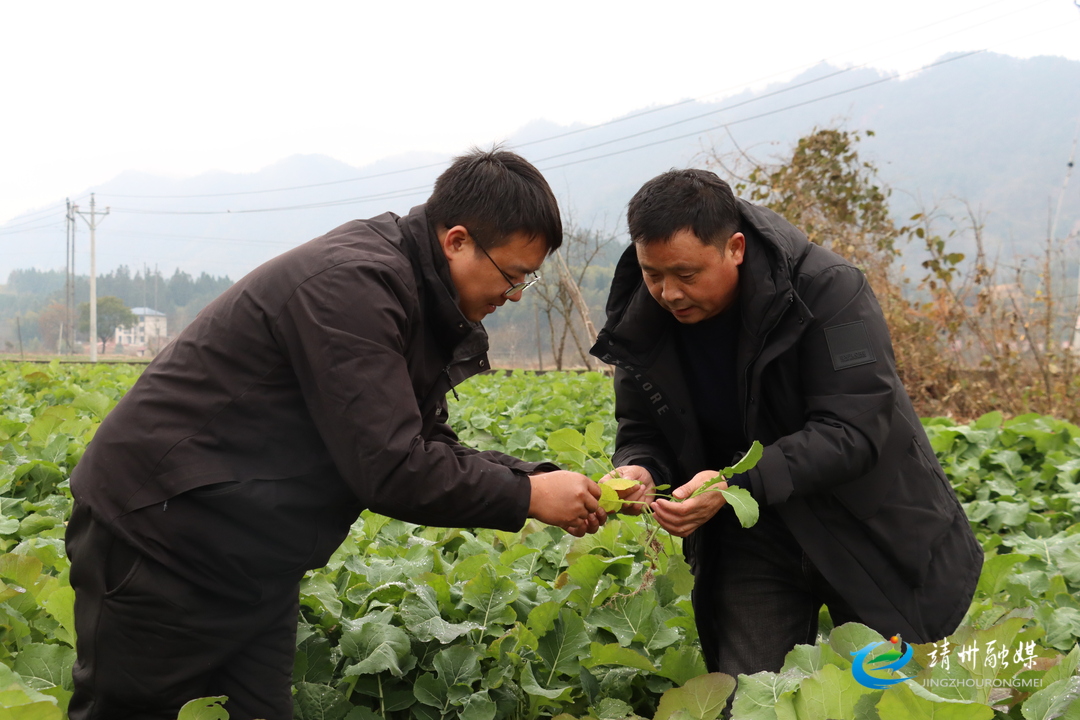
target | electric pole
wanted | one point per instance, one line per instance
(69, 281)
(93, 223)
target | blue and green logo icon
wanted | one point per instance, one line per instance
(893, 659)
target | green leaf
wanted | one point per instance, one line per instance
(478, 706)
(561, 648)
(542, 617)
(49, 663)
(566, 440)
(613, 709)
(61, 605)
(458, 665)
(207, 708)
(629, 619)
(744, 505)
(319, 702)
(681, 664)
(702, 698)
(1065, 668)
(831, 693)
(615, 654)
(901, 702)
(748, 461)
(432, 691)
(530, 686)
(759, 694)
(1052, 701)
(489, 594)
(318, 587)
(989, 421)
(94, 402)
(996, 572)
(587, 572)
(422, 616)
(382, 647)
(803, 660)
(595, 444)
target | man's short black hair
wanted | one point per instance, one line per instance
(677, 200)
(495, 194)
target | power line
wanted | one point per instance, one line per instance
(391, 195)
(416, 190)
(50, 224)
(631, 116)
(797, 86)
(246, 241)
(879, 81)
(284, 189)
(783, 73)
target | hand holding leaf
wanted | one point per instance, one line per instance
(696, 502)
(746, 508)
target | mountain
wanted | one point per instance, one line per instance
(990, 130)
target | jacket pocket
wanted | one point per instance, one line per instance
(905, 507)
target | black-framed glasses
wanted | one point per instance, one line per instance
(514, 288)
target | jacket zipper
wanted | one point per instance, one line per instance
(446, 372)
(746, 372)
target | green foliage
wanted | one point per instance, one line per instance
(112, 313)
(430, 623)
(516, 413)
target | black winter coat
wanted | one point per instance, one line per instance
(311, 389)
(847, 464)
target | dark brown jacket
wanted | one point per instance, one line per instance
(311, 389)
(847, 464)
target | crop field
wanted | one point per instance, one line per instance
(430, 623)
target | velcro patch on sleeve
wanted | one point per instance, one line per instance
(849, 345)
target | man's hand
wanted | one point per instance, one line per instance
(682, 518)
(638, 493)
(567, 499)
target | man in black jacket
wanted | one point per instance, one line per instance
(727, 326)
(312, 389)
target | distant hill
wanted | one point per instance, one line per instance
(993, 130)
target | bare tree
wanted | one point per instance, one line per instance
(561, 304)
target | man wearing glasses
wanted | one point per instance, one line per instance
(312, 389)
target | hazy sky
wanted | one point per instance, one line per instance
(92, 89)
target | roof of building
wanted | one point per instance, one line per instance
(146, 311)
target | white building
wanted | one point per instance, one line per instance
(149, 332)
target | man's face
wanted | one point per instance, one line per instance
(690, 279)
(476, 276)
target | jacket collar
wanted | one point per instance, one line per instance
(461, 339)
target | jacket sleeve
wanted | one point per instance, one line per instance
(638, 439)
(345, 331)
(847, 397)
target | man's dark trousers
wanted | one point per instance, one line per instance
(756, 594)
(169, 641)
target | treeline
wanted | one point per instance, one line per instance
(28, 293)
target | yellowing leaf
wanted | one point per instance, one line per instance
(620, 483)
(609, 499)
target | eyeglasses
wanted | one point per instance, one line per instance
(514, 288)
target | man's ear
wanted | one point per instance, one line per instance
(454, 241)
(736, 247)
